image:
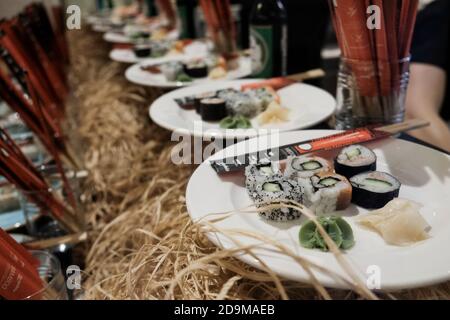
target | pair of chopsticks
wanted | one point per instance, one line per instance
(18, 170)
(220, 23)
(19, 278)
(281, 82)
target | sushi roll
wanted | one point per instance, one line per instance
(199, 97)
(272, 191)
(264, 96)
(354, 160)
(213, 109)
(259, 172)
(306, 166)
(142, 51)
(171, 70)
(159, 49)
(242, 104)
(326, 192)
(227, 94)
(373, 190)
(196, 69)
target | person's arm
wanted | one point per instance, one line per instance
(425, 96)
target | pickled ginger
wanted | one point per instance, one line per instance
(399, 223)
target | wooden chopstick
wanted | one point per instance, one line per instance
(408, 125)
(308, 75)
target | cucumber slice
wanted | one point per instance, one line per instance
(329, 181)
(272, 187)
(376, 183)
(353, 153)
(311, 165)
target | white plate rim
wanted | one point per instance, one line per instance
(172, 85)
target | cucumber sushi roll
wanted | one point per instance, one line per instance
(213, 109)
(373, 190)
(326, 192)
(256, 173)
(306, 166)
(272, 191)
(196, 69)
(199, 97)
(354, 160)
(171, 70)
(142, 51)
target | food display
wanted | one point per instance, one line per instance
(313, 181)
(241, 105)
(198, 64)
(158, 49)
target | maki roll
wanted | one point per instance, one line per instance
(264, 96)
(213, 109)
(196, 69)
(373, 190)
(355, 159)
(160, 49)
(306, 166)
(142, 51)
(242, 104)
(172, 70)
(272, 191)
(199, 97)
(256, 173)
(326, 192)
(227, 94)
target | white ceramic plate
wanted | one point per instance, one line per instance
(425, 177)
(309, 105)
(136, 75)
(121, 38)
(194, 50)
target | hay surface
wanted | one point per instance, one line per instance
(143, 244)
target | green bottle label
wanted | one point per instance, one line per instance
(261, 43)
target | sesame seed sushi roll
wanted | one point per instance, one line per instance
(373, 190)
(242, 104)
(257, 173)
(306, 166)
(213, 109)
(326, 192)
(354, 160)
(272, 191)
(264, 96)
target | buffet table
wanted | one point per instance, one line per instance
(143, 244)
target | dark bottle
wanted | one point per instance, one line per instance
(150, 8)
(268, 39)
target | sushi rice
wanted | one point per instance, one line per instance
(273, 190)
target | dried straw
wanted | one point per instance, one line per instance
(142, 243)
